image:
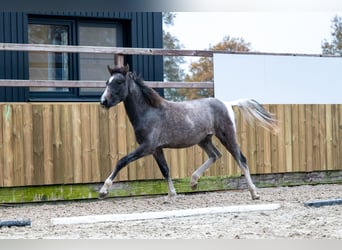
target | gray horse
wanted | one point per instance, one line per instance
(159, 124)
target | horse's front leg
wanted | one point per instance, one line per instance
(139, 152)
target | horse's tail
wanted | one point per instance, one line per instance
(253, 111)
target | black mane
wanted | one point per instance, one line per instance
(150, 95)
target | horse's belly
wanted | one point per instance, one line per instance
(185, 140)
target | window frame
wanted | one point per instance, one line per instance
(73, 23)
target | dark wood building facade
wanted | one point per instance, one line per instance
(118, 29)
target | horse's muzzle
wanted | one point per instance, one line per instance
(104, 103)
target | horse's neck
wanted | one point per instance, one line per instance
(135, 104)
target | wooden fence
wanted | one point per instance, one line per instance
(66, 143)
(80, 143)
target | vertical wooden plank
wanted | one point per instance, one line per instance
(335, 137)
(122, 140)
(8, 147)
(281, 139)
(329, 138)
(57, 144)
(48, 144)
(260, 148)
(138, 169)
(28, 143)
(143, 168)
(288, 138)
(95, 143)
(308, 137)
(191, 161)
(38, 142)
(103, 142)
(322, 146)
(316, 138)
(295, 137)
(86, 143)
(302, 137)
(68, 175)
(18, 146)
(274, 142)
(77, 142)
(2, 148)
(267, 147)
(183, 163)
(340, 133)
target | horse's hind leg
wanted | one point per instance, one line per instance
(160, 159)
(213, 153)
(229, 141)
(243, 165)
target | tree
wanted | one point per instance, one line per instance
(202, 70)
(168, 18)
(172, 64)
(172, 70)
(335, 46)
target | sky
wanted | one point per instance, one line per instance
(278, 32)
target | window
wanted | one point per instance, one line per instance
(48, 66)
(70, 66)
(94, 66)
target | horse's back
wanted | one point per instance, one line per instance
(206, 112)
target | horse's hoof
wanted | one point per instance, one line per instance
(172, 195)
(103, 195)
(256, 197)
(193, 186)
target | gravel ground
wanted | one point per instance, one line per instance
(291, 220)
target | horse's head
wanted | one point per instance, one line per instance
(116, 87)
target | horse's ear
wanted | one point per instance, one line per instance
(110, 69)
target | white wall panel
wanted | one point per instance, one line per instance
(278, 79)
